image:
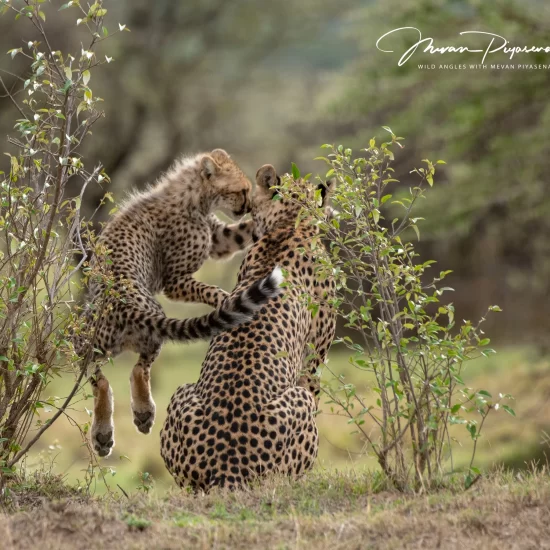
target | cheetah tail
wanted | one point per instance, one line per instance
(236, 310)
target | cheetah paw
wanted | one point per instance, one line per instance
(103, 442)
(144, 420)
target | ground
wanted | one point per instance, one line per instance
(327, 509)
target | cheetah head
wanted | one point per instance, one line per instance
(224, 182)
(269, 210)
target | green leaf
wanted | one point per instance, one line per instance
(93, 8)
(81, 107)
(295, 172)
(468, 481)
(86, 77)
(509, 410)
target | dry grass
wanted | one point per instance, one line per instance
(328, 510)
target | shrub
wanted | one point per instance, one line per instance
(404, 339)
(44, 240)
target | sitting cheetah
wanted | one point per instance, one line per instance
(156, 242)
(251, 412)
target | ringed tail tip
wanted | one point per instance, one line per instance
(277, 276)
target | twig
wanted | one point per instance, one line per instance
(474, 481)
(123, 491)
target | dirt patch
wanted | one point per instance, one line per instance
(327, 512)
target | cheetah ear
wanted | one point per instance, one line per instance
(209, 167)
(327, 189)
(220, 155)
(266, 176)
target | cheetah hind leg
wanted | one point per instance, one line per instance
(143, 406)
(103, 428)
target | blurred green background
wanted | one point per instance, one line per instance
(270, 82)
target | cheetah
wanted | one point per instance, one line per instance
(252, 411)
(156, 242)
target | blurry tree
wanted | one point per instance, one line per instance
(198, 75)
(490, 219)
(205, 74)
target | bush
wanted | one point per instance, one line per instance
(405, 340)
(44, 240)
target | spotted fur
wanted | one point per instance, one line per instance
(253, 408)
(157, 241)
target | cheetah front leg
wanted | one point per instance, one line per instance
(191, 290)
(103, 428)
(321, 334)
(143, 405)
